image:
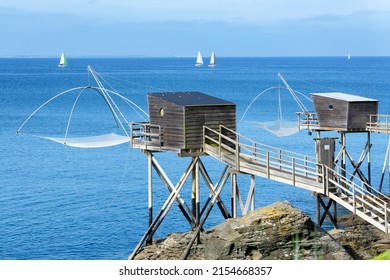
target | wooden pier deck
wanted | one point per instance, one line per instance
(375, 123)
(247, 156)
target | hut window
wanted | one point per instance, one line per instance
(161, 112)
(330, 107)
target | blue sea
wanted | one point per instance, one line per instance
(59, 202)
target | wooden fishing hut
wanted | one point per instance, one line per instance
(177, 120)
(342, 113)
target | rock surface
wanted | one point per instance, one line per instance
(275, 232)
(361, 239)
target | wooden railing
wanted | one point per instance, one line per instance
(307, 120)
(358, 197)
(146, 136)
(378, 123)
(245, 155)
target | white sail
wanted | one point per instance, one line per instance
(212, 61)
(63, 60)
(199, 60)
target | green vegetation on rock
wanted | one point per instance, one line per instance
(384, 256)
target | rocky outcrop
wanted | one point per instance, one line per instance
(278, 231)
(361, 239)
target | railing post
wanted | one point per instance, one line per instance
(293, 171)
(131, 135)
(268, 170)
(204, 136)
(325, 179)
(238, 153)
(386, 217)
(219, 144)
(369, 121)
(280, 158)
(305, 165)
(354, 198)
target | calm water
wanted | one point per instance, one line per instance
(58, 202)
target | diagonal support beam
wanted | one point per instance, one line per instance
(361, 159)
(205, 216)
(165, 208)
(184, 208)
(212, 189)
(326, 207)
(358, 171)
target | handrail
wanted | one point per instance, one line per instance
(358, 194)
(378, 122)
(310, 120)
(364, 186)
(241, 136)
(146, 134)
(254, 152)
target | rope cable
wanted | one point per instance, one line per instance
(104, 95)
(138, 84)
(47, 102)
(71, 114)
(253, 101)
(109, 96)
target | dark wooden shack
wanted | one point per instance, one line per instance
(182, 115)
(343, 112)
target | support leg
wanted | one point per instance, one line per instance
(234, 195)
(150, 195)
(195, 194)
(369, 157)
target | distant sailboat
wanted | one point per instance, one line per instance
(63, 60)
(199, 60)
(212, 61)
(349, 56)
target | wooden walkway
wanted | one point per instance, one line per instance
(247, 156)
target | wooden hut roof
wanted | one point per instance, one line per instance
(344, 96)
(192, 98)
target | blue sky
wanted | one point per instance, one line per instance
(181, 28)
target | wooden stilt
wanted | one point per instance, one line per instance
(343, 156)
(193, 196)
(369, 157)
(234, 195)
(150, 195)
(253, 181)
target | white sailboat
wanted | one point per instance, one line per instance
(349, 56)
(212, 60)
(63, 60)
(199, 60)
